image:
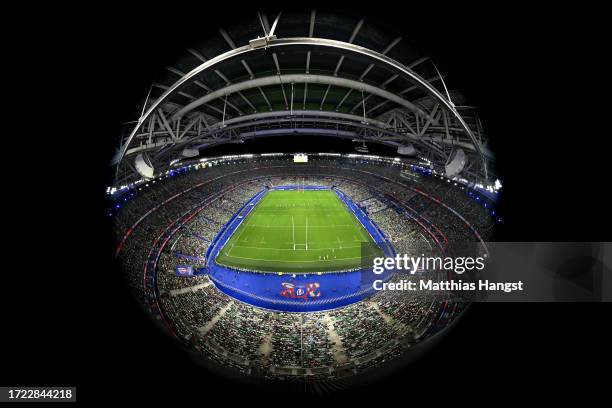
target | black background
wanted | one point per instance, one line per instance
(76, 76)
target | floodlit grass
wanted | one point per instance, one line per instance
(297, 231)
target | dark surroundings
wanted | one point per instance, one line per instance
(68, 318)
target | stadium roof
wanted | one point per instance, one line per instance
(304, 73)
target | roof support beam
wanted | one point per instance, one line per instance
(232, 45)
(301, 113)
(270, 32)
(263, 94)
(312, 42)
(313, 16)
(324, 97)
(384, 52)
(403, 92)
(165, 123)
(299, 78)
(346, 95)
(246, 100)
(219, 73)
(367, 70)
(182, 74)
(178, 107)
(351, 39)
(332, 120)
(360, 103)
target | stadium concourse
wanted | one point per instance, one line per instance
(172, 220)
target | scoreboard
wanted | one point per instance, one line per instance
(300, 158)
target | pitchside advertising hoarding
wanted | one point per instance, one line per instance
(306, 292)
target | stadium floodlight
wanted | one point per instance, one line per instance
(143, 166)
(408, 150)
(497, 185)
(457, 163)
(190, 152)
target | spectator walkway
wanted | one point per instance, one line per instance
(402, 328)
(338, 349)
(265, 349)
(208, 326)
(194, 288)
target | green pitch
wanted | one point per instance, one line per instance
(297, 231)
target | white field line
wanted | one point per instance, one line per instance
(286, 226)
(289, 249)
(278, 260)
(293, 229)
(307, 233)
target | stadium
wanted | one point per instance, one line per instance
(268, 166)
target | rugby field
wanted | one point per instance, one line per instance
(297, 231)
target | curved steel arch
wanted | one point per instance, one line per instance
(297, 114)
(299, 78)
(304, 41)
